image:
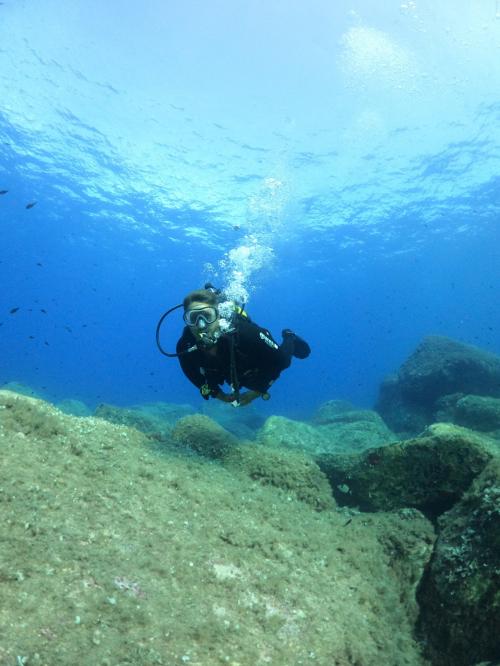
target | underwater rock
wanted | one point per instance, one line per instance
(114, 551)
(408, 539)
(292, 471)
(74, 407)
(167, 411)
(242, 423)
(279, 432)
(22, 415)
(478, 413)
(350, 431)
(429, 473)
(202, 434)
(460, 595)
(156, 419)
(408, 401)
(330, 409)
(445, 408)
(23, 389)
(472, 411)
(357, 431)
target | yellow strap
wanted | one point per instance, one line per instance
(240, 311)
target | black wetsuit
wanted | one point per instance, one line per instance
(258, 359)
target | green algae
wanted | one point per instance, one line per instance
(115, 553)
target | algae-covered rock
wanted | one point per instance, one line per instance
(281, 432)
(292, 471)
(74, 407)
(478, 412)
(408, 540)
(22, 415)
(460, 595)
(429, 473)
(438, 367)
(353, 430)
(23, 389)
(358, 430)
(203, 435)
(330, 409)
(165, 411)
(127, 554)
(157, 419)
(445, 408)
(242, 423)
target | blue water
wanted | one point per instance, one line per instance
(351, 153)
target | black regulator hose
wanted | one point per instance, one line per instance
(158, 327)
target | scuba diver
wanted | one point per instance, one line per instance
(220, 344)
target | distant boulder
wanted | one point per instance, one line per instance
(358, 430)
(353, 430)
(155, 419)
(429, 473)
(74, 407)
(22, 389)
(203, 435)
(460, 594)
(242, 423)
(330, 410)
(477, 412)
(278, 431)
(409, 400)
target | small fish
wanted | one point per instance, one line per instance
(31, 204)
(31, 337)
(348, 522)
(13, 310)
(39, 263)
(44, 311)
(46, 343)
(3, 191)
(68, 329)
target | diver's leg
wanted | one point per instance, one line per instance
(293, 345)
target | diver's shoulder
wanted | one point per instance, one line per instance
(244, 323)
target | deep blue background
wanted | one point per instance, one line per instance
(367, 162)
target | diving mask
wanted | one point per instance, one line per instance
(200, 317)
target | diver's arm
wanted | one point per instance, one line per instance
(224, 397)
(189, 362)
(249, 396)
(245, 398)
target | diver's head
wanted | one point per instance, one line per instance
(201, 314)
